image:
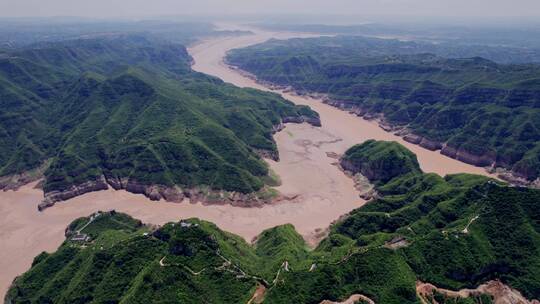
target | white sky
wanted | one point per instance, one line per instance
(126, 8)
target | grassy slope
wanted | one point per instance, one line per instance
(473, 104)
(129, 107)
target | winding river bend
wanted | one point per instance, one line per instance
(336, 123)
(325, 193)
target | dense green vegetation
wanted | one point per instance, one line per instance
(130, 109)
(195, 262)
(476, 110)
(461, 230)
(380, 161)
(455, 232)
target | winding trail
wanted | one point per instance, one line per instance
(305, 169)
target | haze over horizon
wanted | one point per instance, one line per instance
(130, 8)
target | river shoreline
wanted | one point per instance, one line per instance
(157, 192)
(484, 162)
(370, 128)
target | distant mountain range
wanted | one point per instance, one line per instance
(503, 41)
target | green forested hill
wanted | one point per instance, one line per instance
(472, 109)
(128, 111)
(459, 230)
(380, 161)
(195, 262)
(455, 231)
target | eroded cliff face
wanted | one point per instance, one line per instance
(522, 170)
(423, 142)
(521, 173)
(460, 153)
(484, 160)
(62, 195)
(173, 194)
(489, 122)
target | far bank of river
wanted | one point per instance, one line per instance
(339, 124)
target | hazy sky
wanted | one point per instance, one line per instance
(123, 8)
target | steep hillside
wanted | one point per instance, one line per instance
(190, 262)
(380, 161)
(128, 112)
(472, 109)
(456, 232)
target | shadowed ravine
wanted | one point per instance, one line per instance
(325, 193)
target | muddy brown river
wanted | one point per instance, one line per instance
(325, 193)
